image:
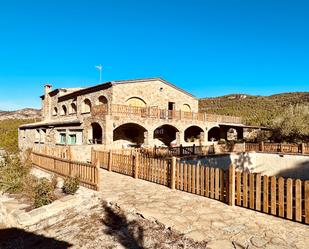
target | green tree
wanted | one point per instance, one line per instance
(293, 124)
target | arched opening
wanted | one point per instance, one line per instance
(96, 134)
(129, 135)
(231, 134)
(214, 134)
(166, 134)
(64, 110)
(186, 108)
(193, 134)
(135, 101)
(102, 100)
(55, 111)
(73, 108)
(86, 106)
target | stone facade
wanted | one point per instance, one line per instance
(144, 112)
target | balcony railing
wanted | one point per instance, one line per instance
(157, 113)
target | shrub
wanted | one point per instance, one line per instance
(43, 193)
(12, 174)
(70, 185)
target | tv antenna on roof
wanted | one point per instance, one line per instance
(100, 70)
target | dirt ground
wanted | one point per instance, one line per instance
(105, 226)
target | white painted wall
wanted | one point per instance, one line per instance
(294, 166)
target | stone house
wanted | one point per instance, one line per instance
(128, 113)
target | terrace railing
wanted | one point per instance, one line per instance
(278, 148)
(158, 113)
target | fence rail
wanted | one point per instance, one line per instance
(284, 197)
(158, 113)
(88, 174)
(278, 147)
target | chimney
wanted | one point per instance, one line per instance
(47, 102)
(47, 88)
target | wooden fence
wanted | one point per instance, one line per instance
(278, 147)
(88, 174)
(286, 198)
(158, 113)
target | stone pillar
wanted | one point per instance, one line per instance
(180, 137)
(109, 128)
(148, 138)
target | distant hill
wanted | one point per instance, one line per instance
(27, 113)
(255, 110)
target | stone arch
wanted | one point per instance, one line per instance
(136, 101)
(73, 108)
(186, 108)
(55, 111)
(193, 133)
(97, 133)
(86, 106)
(102, 100)
(166, 134)
(214, 134)
(63, 110)
(129, 134)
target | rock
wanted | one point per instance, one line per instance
(220, 244)
(234, 228)
(258, 241)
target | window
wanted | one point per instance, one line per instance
(64, 110)
(73, 108)
(62, 138)
(186, 108)
(86, 106)
(135, 101)
(72, 139)
(55, 111)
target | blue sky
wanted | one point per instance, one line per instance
(208, 47)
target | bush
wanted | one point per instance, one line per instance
(43, 193)
(12, 174)
(70, 185)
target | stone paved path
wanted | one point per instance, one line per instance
(201, 218)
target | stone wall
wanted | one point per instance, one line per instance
(154, 93)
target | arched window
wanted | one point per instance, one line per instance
(135, 101)
(64, 110)
(73, 108)
(55, 111)
(102, 100)
(186, 108)
(86, 106)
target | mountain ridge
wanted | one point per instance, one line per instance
(254, 109)
(25, 113)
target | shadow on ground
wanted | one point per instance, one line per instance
(128, 233)
(15, 238)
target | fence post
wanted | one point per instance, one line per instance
(173, 169)
(244, 148)
(303, 148)
(110, 156)
(280, 147)
(231, 185)
(97, 179)
(262, 146)
(136, 165)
